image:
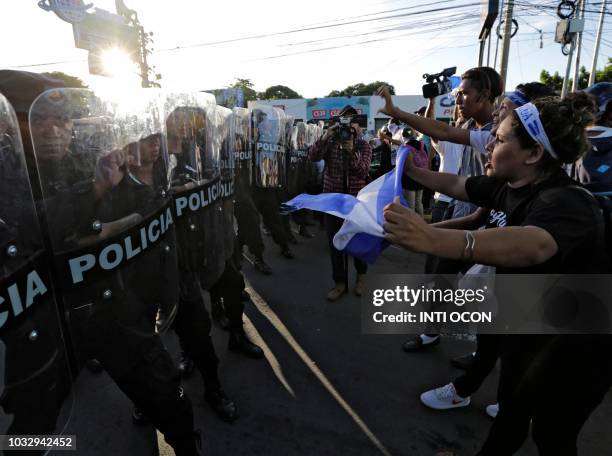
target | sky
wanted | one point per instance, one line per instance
(347, 42)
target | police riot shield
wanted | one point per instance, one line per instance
(196, 184)
(108, 218)
(35, 379)
(268, 136)
(298, 163)
(224, 140)
(243, 156)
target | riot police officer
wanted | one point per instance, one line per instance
(245, 211)
(194, 176)
(107, 318)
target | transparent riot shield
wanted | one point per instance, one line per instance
(35, 379)
(224, 127)
(298, 163)
(243, 156)
(195, 177)
(109, 220)
(268, 137)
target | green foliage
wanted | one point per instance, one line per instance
(556, 80)
(70, 81)
(247, 88)
(279, 92)
(360, 89)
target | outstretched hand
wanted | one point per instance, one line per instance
(389, 107)
(406, 228)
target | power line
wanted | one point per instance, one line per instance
(307, 29)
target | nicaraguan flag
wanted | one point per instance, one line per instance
(361, 234)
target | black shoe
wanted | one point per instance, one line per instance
(244, 296)
(464, 362)
(186, 365)
(138, 417)
(223, 406)
(94, 366)
(262, 266)
(240, 343)
(416, 344)
(218, 316)
(287, 253)
(304, 232)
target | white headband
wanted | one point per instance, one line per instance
(530, 118)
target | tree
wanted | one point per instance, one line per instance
(70, 81)
(247, 88)
(556, 80)
(279, 92)
(361, 89)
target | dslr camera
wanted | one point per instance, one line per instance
(438, 84)
(345, 131)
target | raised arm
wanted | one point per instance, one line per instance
(431, 127)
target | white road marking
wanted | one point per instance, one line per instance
(253, 334)
(267, 312)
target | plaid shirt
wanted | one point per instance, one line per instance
(359, 166)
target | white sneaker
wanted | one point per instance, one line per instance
(444, 398)
(492, 410)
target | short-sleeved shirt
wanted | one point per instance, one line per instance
(479, 140)
(558, 205)
(450, 155)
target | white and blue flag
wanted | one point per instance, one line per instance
(361, 234)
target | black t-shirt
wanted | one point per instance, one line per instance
(569, 214)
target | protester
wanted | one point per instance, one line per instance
(553, 227)
(595, 169)
(475, 98)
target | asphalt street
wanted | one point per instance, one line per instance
(324, 388)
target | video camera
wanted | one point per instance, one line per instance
(345, 131)
(439, 83)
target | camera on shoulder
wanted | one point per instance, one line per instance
(439, 83)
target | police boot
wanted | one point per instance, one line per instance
(304, 232)
(94, 366)
(138, 417)
(186, 365)
(239, 342)
(261, 265)
(223, 406)
(287, 253)
(218, 315)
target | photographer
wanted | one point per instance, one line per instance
(347, 164)
(553, 227)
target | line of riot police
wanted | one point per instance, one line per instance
(116, 213)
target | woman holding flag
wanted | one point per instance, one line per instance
(553, 227)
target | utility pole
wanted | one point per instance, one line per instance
(581, 7)
(597, 43)
(568, 67)
(506, 41)
(144, 40)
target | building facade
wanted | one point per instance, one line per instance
(306, 109)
